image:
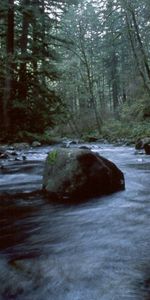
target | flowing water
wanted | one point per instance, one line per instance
(98, 250)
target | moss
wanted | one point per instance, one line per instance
(52, 156)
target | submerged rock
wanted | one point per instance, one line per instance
(80, 174)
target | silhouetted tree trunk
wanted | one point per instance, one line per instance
(8, 84)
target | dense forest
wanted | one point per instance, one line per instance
(74, 68)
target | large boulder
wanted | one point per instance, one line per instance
(80, 174)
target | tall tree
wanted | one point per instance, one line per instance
(8, 83)
(29, 100)
(137, 44)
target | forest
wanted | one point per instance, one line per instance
(74, 149)
(74, 68)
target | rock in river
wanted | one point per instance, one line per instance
(143, 144)
(80, 174)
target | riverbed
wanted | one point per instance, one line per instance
(97, 250)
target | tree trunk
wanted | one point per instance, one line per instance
(43, 41)
(23, 87)
(8, 84)
(134, 49)
(145, 60)
(114, 81)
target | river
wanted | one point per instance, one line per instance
(97, 250)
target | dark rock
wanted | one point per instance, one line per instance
(80, 174)
(8, 154)
(4, 155)
(73, 142)
(18, 159)
(96, 147)
(143, 144)
(84, 147)
(139, 144)
(24, 157)
(147, 148)
(13, 153)
(91, 139)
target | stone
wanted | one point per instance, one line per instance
(80, 174)
(91, 139)
(68, 144)
(20, 146)
(147, 148)
(85, 147)
(4, 155)
(143, 144)
(36, 144)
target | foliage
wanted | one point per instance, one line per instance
(105, 74)
(141, 129)
(46, 137)
(138, 110)
(115, 130)
(29, 64)
(84, 68)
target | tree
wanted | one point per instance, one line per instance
(137, 44)
(8, 81)
(29, 100)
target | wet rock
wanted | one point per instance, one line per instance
(4, 155)
(24, 157)
(18, 159)
(143, 144)
(103, 141)
(3, 152)
(13, 153)
(80, 174)
(85, 147)
(68, 144)
(8, 154)
(147, 148)
(36, 144)
(20, 146)
(92, 139)
(3, 148)
(139, 144)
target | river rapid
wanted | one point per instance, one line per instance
(97, 250)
